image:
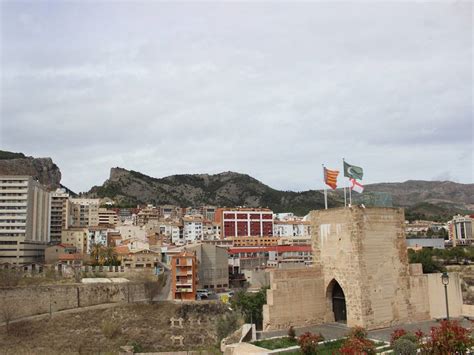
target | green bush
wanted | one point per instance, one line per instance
(227, 324)
(404, 346)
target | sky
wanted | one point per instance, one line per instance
(269, 89)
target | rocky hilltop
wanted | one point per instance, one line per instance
(224, 189)
(43, 169)
(422, 199)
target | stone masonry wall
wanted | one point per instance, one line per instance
(296, 297)
(33, 300)
(364, 251)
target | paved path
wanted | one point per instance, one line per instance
(339, 330)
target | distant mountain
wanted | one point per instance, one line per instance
(42, 169)
(422, 199)
(224, 189)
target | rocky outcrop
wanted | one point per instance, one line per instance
(42, 169)
(437, 200)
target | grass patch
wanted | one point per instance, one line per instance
(328, 348)
(278, 343)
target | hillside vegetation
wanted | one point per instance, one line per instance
(421, 199)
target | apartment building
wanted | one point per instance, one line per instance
(96, 235)
(184, 276)
(60, 214)
(192, 229)
(279, 256)
(169, 212)
(147, 215)
(108, 217)
(245, 222)
(291, 228)
(208, 212)
(85, 212)
(211, 230)
(142, 259)
(25, 207)
(253, 241)
(77, 236)
(212, 265)
(460, 230)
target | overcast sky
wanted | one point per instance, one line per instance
(271, 89)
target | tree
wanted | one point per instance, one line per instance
(153, 288)
(96, 253)
(251, 305)
(111, 256)
(425, 258)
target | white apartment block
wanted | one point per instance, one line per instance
(24, 219)
(291, 229)
(60, 214)
(85, 212)
(192, 229)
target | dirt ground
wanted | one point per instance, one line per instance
(147, 327)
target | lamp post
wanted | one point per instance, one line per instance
(445, 281)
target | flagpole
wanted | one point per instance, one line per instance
(325, 192)
(350, 196)
(345, 199)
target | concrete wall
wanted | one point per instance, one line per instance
(296, 298)
(437, 296)
(257, 278)
(33, 300)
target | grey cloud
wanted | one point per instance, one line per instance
(272, 90)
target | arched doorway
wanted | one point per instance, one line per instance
(338, 302)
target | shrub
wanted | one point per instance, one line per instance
(308, 342)
(291, 333)
(357, 343)
(449, 337)
(403, 334)
(110, 329)
(358, 332)
(397, 334)
(403, 346)
(228, 323)
(137, 348)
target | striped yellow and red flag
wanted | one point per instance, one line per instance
(330, 178)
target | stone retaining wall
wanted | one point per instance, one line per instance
(34, 300)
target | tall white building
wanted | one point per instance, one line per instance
(25, 207)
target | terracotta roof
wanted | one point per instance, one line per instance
(122, 249)
(76, 256)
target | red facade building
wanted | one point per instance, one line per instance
(245, 222)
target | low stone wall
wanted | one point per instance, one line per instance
(437, 298)
(34, 300)
(296, 298)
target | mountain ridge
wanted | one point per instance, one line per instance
(438, 198)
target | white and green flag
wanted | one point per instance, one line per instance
(353, 172)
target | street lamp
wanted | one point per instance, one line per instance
(445, 281)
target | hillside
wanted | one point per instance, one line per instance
(224, 189)
(430, 199)
(43, 169)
